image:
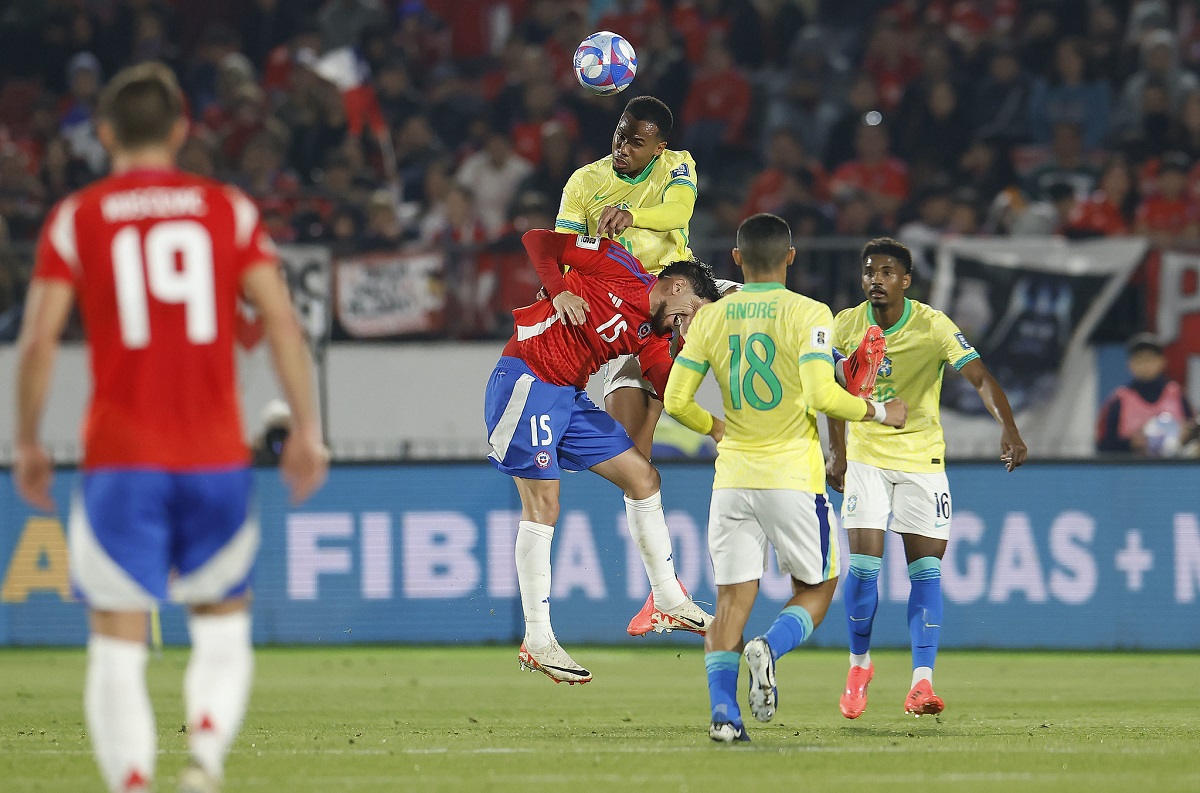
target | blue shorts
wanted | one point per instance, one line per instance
(538, 430)
(138, 537)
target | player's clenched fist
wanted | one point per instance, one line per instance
(34, 474)
(897, 413)
(571, 308)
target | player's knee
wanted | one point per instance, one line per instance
(542, 509)
(645, 482)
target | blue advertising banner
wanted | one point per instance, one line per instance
(1052, 556)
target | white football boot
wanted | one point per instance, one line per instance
(194, 779)
(553, 662)
(763, 694)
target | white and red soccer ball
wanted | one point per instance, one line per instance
(605, 63)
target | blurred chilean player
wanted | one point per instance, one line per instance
(541, 422)
(903, 473)
(157, 259)
(771, 351)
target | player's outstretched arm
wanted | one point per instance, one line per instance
(304, 463)
(47, 307)
(824, 395)
(1012, 449)
(675, 212)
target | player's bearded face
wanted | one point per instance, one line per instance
(635, 143)
(884, 280)
(675, 313)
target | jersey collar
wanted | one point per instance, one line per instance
(762, 286)
(641, 177)
(900, 323)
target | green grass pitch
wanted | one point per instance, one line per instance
(465, 719)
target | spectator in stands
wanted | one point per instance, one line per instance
(61, 172)
(1069, 95)
(922, 233)
(1048, 215)
(879, 177)
(1067, 164)
(1160, 66)
(493, 176)
(398, 101)
(344, 21)
(1001, 99)
(856, 214)
(939, 132)
(1038, 41)
(761, 31)
(717, 106)
(937, 65)
(1108, 211)
(197, 156)
(266, 24)
(663, 69)
(416, 147)
(261, 171)
(890, 61)
(1149, 416)
(964, 218)
(383, 232)
(785, 154)
(799, 102)
(1185, 129)
(986, 166)
(343, 231)
(1153, 132)
(1103, 43)
(541, 110)
(1169, 216)
(84, 77)
(557, 163)
(862, 98)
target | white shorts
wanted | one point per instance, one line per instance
(918, 503)
(796, 523)
(624, 371)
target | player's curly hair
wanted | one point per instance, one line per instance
(698, 274)
(886, 246)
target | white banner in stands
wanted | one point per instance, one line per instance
(1028, 306)
(390, 294)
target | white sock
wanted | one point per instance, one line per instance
(120, 718)
(216, 686)
(922, 673)
(533, 577)
(863, 660)
(648, 527)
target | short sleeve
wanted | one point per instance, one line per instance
(841, 332)
(252, 244)
(956, 350)
(57, 256)
(683, 174)
(816, 336)
(571, 216)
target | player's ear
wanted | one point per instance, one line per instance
(179, 134)
(791, 255)
(660, 148)
(907, 282)
(106, 135)
(737, 257)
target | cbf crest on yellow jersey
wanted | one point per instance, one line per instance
(755, 341)
(595, 186)
(918, 348)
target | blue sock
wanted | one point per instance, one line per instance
(861, 596)
(925, 609)
(789, 630)
(722, 667)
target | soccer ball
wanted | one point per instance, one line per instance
(605, 63)
(1163, 433)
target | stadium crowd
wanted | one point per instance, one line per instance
(376, 124)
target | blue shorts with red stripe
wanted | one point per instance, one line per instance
(538, 430)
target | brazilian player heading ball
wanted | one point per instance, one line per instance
(903, 472)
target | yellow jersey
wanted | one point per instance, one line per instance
(772, 353)
(595, 186)
(918, 348)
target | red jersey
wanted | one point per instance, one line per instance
(889, 177)
(156, 259)
(617, 290)
(1166, 214)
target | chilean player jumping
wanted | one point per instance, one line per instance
(157, 259)
(903, 473)
(771, 351)
(541, 422)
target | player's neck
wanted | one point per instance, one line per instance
(778, 276)
(143, 160)
(888, 316)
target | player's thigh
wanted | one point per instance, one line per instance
(119, 539)
(922, 505)
(215, 535)
(736, 541)
(867, 499)
(799, 527)
(624, 371)
(526, 420)
(591, 437)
